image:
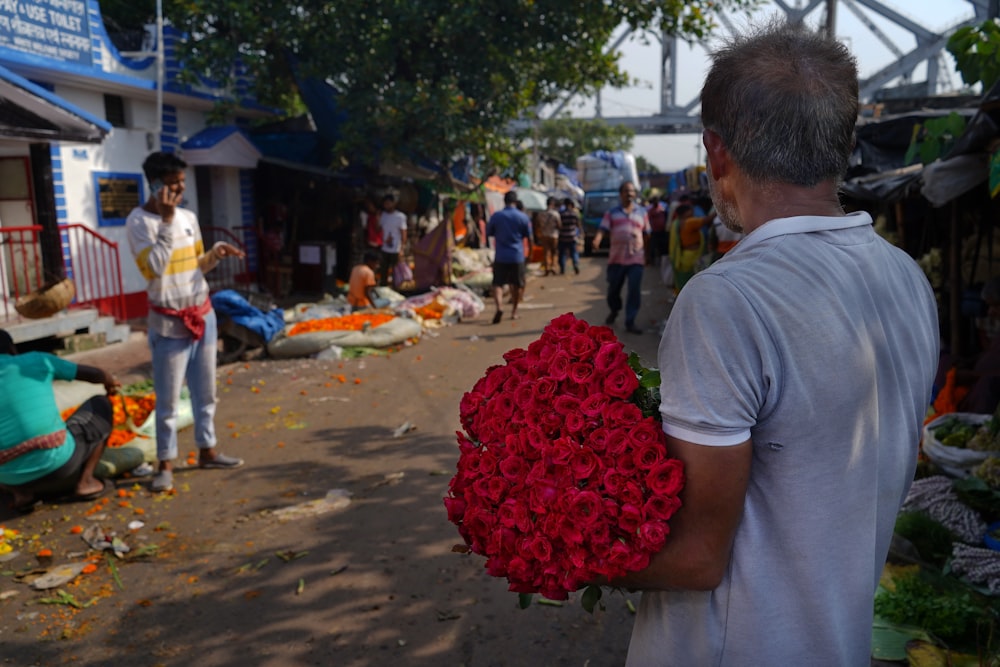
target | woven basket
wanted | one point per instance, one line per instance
(47, 300)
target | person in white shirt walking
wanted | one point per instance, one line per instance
(393, 224)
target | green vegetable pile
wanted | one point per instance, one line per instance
(953, 432)
(952, 613)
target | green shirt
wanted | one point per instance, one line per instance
(28, 409)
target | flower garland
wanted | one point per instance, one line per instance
(563, 475)
(352, 322)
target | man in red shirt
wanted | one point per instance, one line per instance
(628, 227)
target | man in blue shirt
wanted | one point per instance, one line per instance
(40, 455)
(510, 227)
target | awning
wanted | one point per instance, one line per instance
(224, 146)
(28, 112)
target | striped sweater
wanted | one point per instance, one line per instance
(172, 258)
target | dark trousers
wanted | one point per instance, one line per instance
(388, 262)
(618, 275)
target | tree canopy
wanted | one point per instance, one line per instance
(428, 78)
(976, 50)
(565, 139)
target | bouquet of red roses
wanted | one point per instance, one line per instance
(563, 475)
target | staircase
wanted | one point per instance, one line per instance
(80, 329)
(96, 315)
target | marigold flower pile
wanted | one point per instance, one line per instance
(561, 479)
(352, 322)
(138, 407)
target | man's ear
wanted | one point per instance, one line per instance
(717, 154)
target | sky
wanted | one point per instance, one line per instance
(675, 152)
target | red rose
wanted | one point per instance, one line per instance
(566, 405)
(593, 405)
(613, 481)
(456, 509)
(524, 396)
(561, 451)
(545, 390)
(603, 335)
(648, 455)
(580, 372)
(647, 432)
(513, 355)
(561, 326)
(514, 469)
(584, 463)
(653, 535)
(608, 356)
(597, 439)
(622, 413)
(617, 442)
(540, 548)
(575, 422)
(584, 508)
(630, 518)
(621, 382)
(559, 366)
(662, 507)
(666, 478)
(581, 347)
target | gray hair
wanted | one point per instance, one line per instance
(784, 100)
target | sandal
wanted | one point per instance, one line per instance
(221, 461)
(86, 497)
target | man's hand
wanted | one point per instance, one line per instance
(167, 201)
(96, 375)
(223, 249)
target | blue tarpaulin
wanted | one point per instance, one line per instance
(233, 305)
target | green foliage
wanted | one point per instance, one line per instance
(931, 539)
(951, 612)
(976, 50)
(524, 600)
(647, 396)
(934, 138)
(429, 77)
(565, 139)
(591, 597)
(644, 166)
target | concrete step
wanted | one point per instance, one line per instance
(65, 323)
(113, 332)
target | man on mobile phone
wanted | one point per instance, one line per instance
(166, 242)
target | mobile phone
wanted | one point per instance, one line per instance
(156, 186)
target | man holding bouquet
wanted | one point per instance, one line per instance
(796, 373)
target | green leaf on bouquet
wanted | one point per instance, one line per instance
(649, 379)
(591, 596)
(524, 600)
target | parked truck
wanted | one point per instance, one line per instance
(601, 174)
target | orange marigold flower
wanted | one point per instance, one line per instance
(44, 553)
(76, 530)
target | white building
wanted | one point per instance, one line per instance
(77, 119)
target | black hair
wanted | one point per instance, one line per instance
(510, 197)
(391, 198)
(371, 256)
(6, 343)
(158, 165)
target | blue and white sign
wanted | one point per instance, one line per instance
(56, 29)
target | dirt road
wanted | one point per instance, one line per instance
(226, 580)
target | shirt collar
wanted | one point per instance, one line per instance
(803, 224)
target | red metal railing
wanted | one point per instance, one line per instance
(89, 259)
(20, 266)
(94, 264)
(231, 273)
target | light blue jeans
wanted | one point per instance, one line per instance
(175, 359)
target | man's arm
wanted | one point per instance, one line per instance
(698, 548)
(209, 260)
(98, 376)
